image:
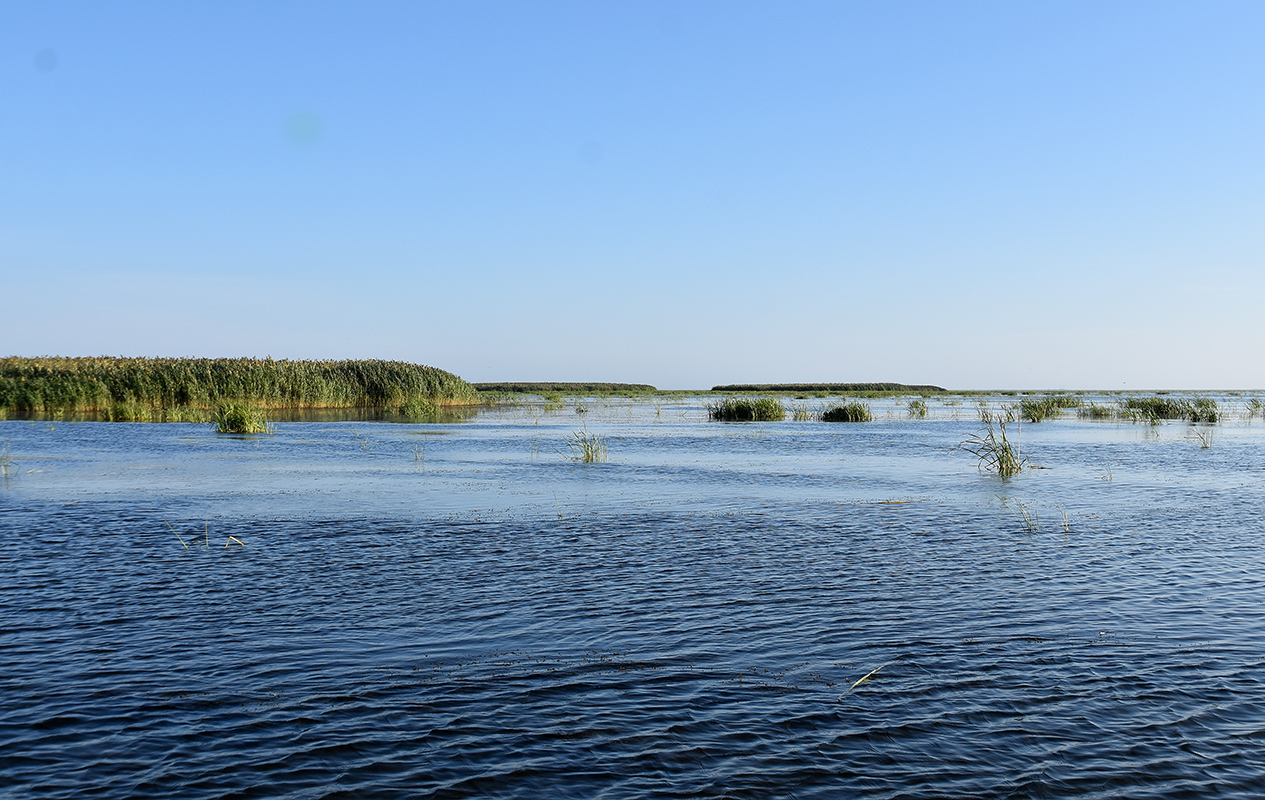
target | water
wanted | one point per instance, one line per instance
(456, 610)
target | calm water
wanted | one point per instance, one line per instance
(457, 610)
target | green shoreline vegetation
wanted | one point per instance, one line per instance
(197, 389)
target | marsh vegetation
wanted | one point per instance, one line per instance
(190, 389)
(848, 412)
(736, 409)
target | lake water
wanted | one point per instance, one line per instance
(368, 609)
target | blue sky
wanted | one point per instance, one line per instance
(1005, 195)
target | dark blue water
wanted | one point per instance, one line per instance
(481, 617)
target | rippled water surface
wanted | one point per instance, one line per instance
(367, 609)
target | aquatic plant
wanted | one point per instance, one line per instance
(848, 412)
(1039, 409)
(7, 466)
(833, 388)
(992, 446)
(529, 387)
(120, 388)
(586, 447)
(804, 414)
(917, 408)
(240, 418)
(1095, 411)
(1029, 516)
(1203, 436)
(1254, 407)
(732, 409)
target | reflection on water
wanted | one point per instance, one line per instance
(460, 610)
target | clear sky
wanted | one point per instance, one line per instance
(977, 195)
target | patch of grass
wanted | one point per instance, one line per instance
(917, 408)
(733, 409)
(1039, 409)
(240, 418)
(1255, 407)
(992, 446)
(586, 447)
(848, 412)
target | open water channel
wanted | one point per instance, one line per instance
(370, 609)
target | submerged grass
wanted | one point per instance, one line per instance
(848, 412)
(170, 389)
(733, 409)
(917, 408)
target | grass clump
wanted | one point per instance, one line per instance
(848, 412)
(240, 418)
(586, 447)
(992, 446)
(917, 408)
(1255, 407)
(761, 409)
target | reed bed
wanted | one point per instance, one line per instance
(168, 389)
(761, 409)
(848, 412)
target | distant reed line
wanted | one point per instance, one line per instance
(835, 388)
(124, 387)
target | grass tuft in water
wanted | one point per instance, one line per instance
(992, 446)
(760, 409)
(240, 418)
(848, 412)
(586, 447)
(917, 408)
